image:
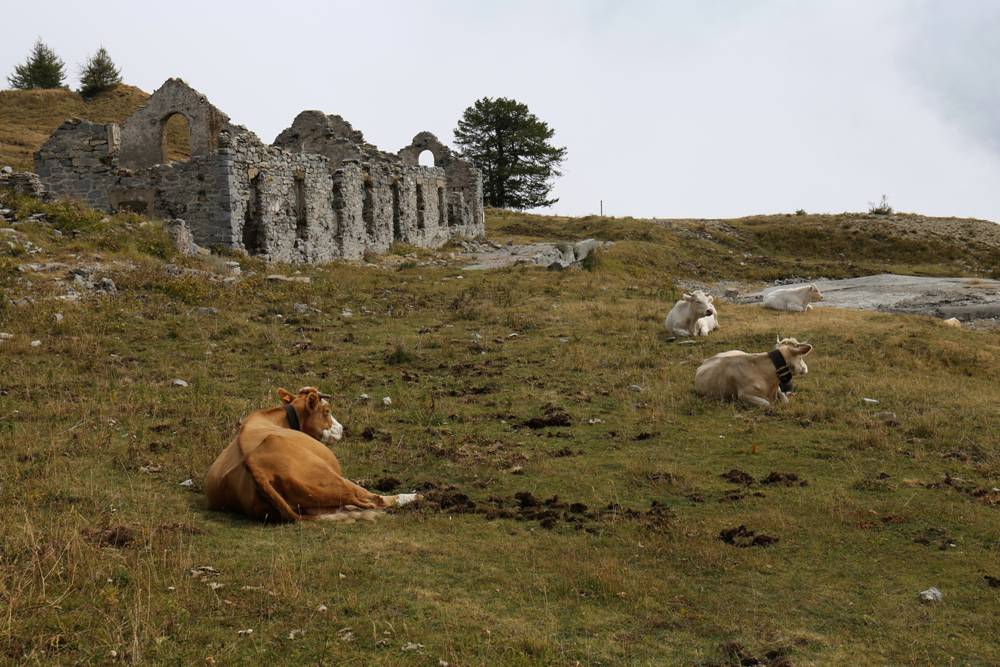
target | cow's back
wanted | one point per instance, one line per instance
(679, 316)
(782, 299)
(719, 375)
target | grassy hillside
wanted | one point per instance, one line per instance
(624, 567)
(28, 117)
(769, 247)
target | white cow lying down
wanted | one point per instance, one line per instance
(795, 299)
(760, 378)
(693, 315)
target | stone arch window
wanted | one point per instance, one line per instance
(426, 158)
(413, 154)
(175, 138)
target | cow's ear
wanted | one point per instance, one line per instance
(686, 296)
(284, 395)
(312, 401)
(804, 349)
(711, 298)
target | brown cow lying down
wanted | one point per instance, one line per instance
(761, 378)
(277, 469)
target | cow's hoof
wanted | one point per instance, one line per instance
(406, 498)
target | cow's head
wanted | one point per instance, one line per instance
(313, 410)
(794, 351)
(701, 303)
(814, 293)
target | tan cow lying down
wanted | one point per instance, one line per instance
(795, 299)
(277, 469)
(761, 378)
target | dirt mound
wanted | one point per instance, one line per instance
(737, 476)
(548, 512)
(118, 537)
(743, 537)
(736, 655)
(551, 416)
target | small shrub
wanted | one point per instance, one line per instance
(880, 208)
(800, 211)
(399, 356)
(592, 261)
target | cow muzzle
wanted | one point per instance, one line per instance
(332, 434)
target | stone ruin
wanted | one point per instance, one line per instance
(320, 192)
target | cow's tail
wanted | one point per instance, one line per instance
(265, 487)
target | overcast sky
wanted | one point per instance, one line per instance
(668, 109)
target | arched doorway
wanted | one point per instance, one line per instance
(425, 159)
(175, 138)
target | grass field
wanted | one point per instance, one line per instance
(625, 567)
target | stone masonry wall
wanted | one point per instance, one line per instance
(79, 160)
(319, 193)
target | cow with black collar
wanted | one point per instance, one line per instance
(760, 379)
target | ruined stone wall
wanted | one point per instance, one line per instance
(79, 161)
(142, 132)
(282, 204)
(319, 193)
(195, 191)
(464, 202)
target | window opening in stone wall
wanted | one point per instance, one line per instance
(175, 139)
(421, 223)
(425, 159)
(441, 208)
(368, 206)
(455, 211)
(301, 224)
(253, 225)
(397, 232)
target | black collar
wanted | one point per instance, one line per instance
(782, 369)
(293, 417)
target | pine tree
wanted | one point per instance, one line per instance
(511, 146)
(42, 69)
(99, 74)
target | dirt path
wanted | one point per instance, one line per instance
(965, 298)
